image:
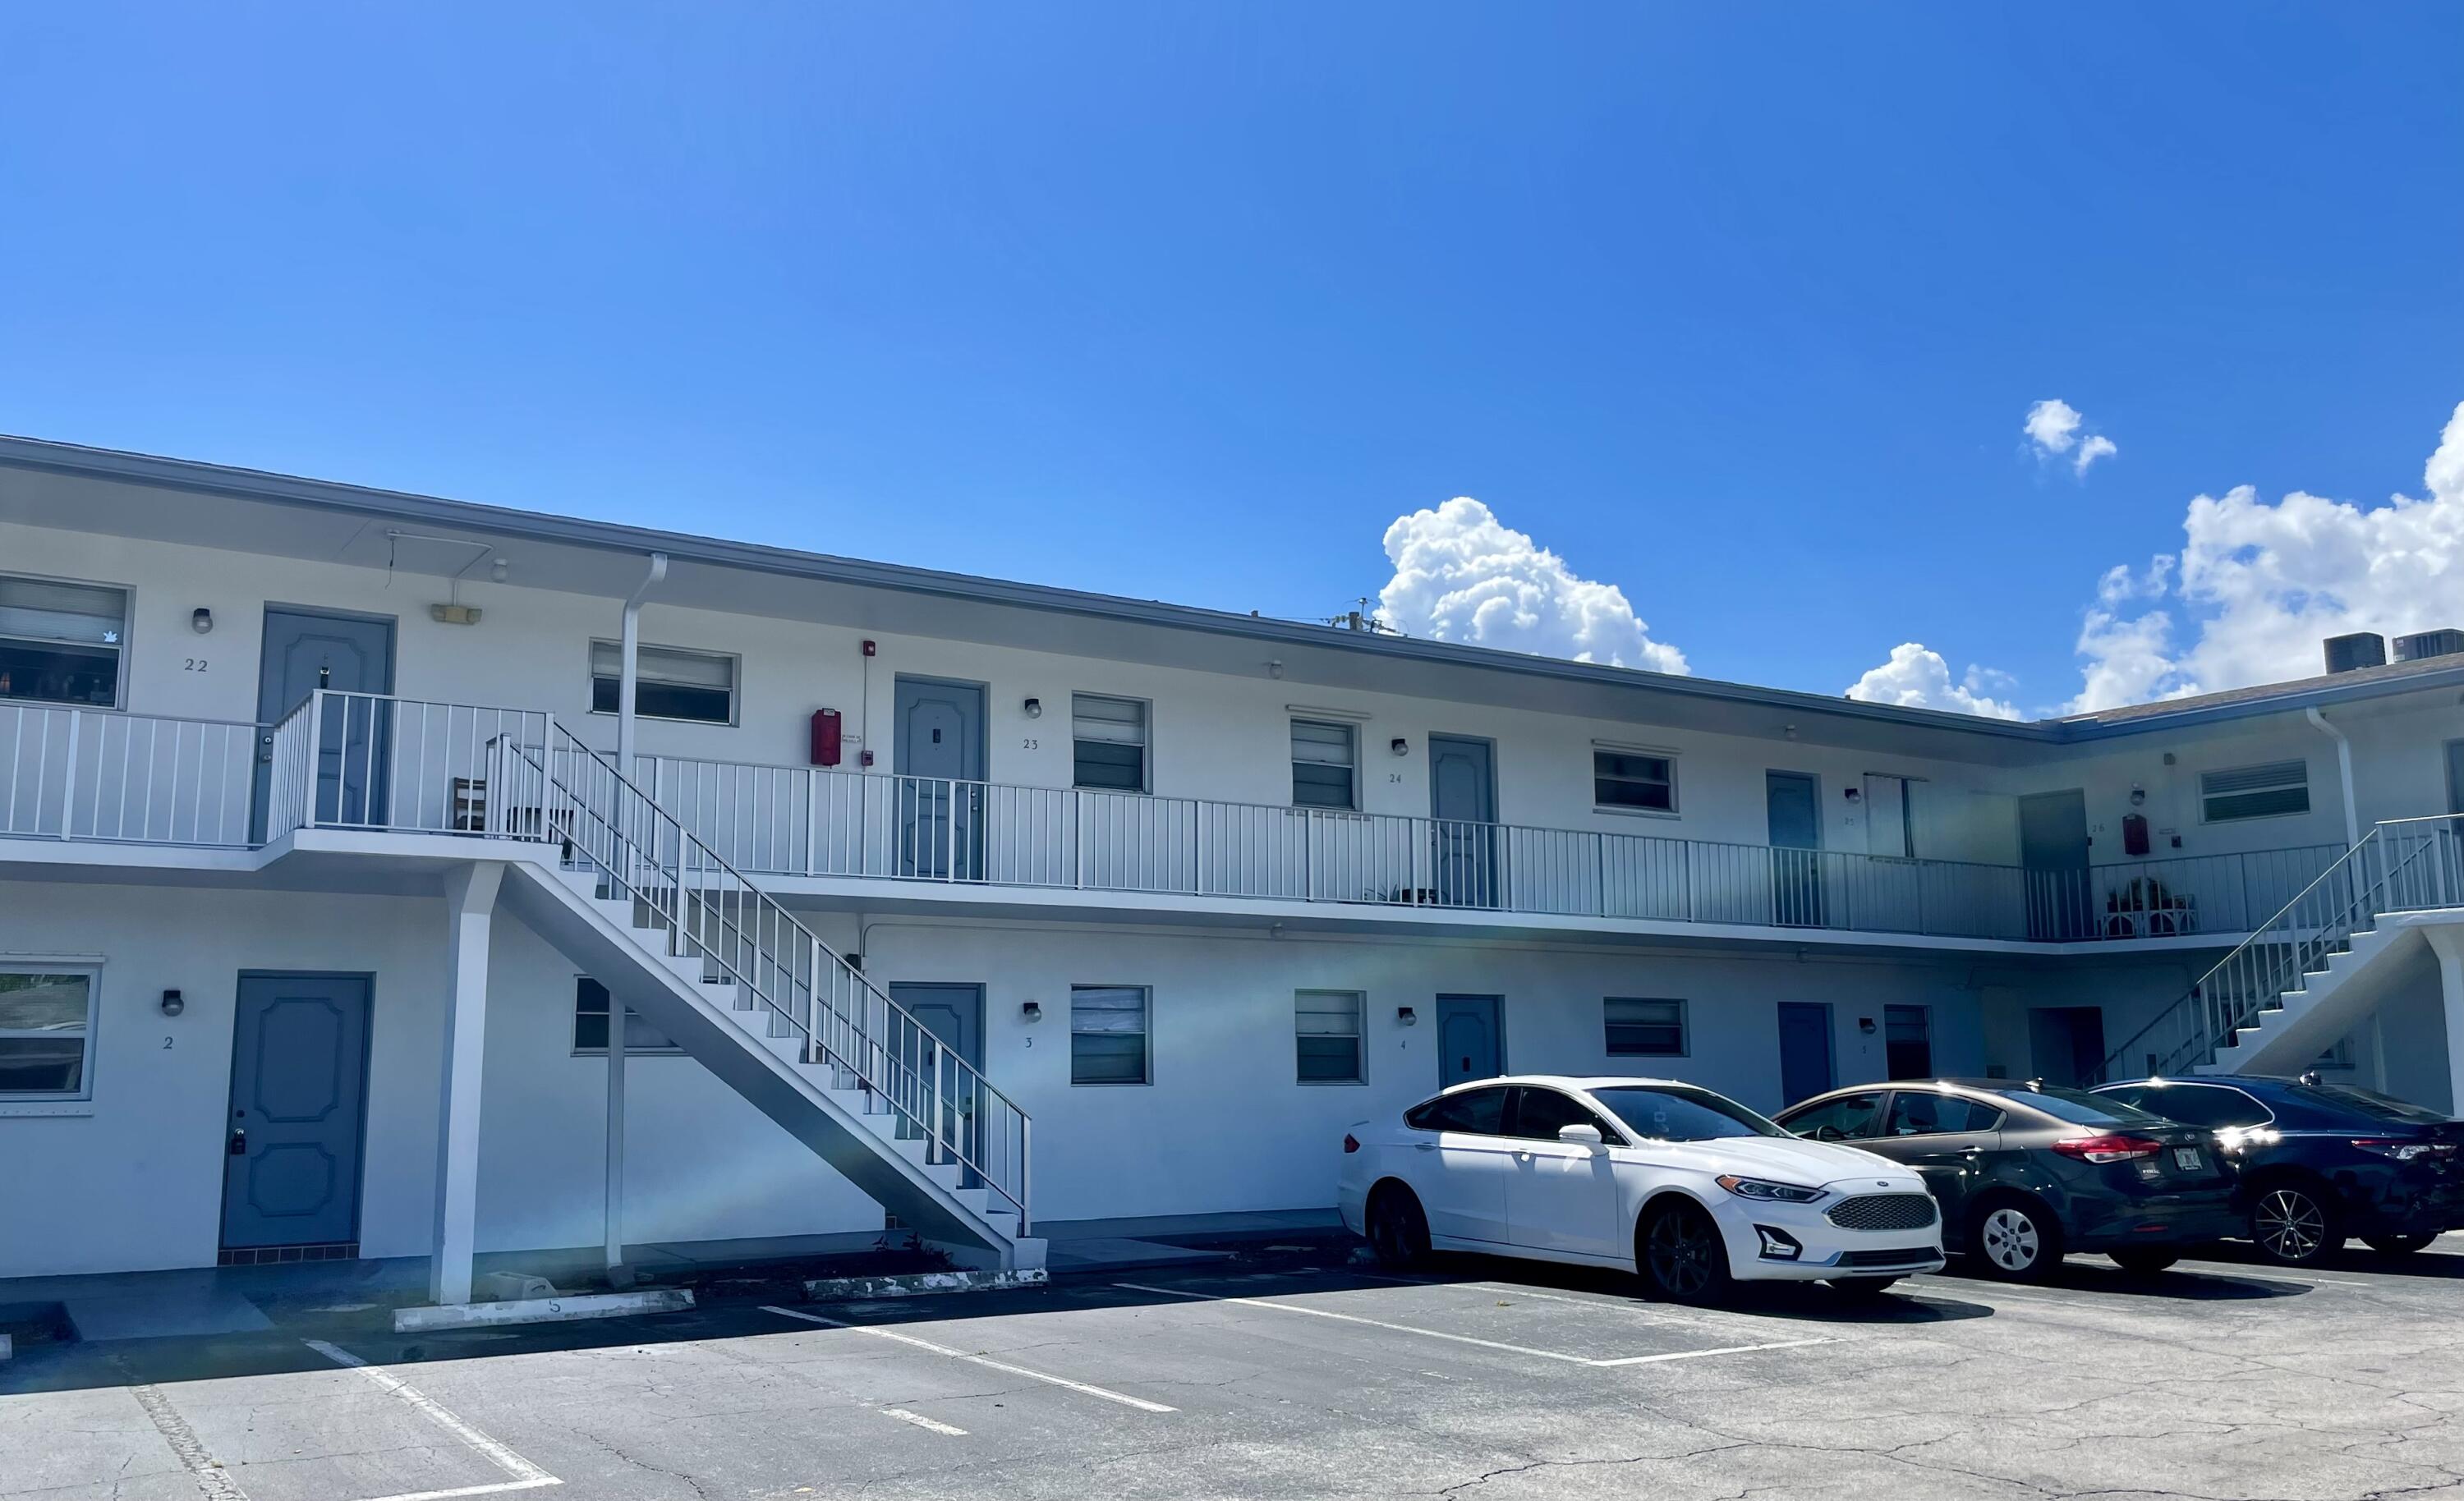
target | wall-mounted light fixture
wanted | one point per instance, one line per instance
(1399, 746)
(1275, 669)
(1034, 707)
(497, 569)
(1031, 1013)
(2138, 795)
(172, 1004)
(1865, 1025)
(1405, 1017)
(1855, 796)
(201, 620)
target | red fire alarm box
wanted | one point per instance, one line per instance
(2134, 834)
(826, 737)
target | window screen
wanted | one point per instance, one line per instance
(2255, 792)
(1323, 758)
(669, 683)
(62, 643)
(1107, 1035)
(1633, 779)
(1327, 1035)
(1110, 736)
(1642, 1029)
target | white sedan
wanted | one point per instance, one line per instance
(1683, 1186)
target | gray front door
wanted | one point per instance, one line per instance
(291, 1165)
(1463, 836)
(1471, 1041)
(2066, 1044)
(939, 731)
(1793, 809)
(954, 1014)
(2052, 850)
(304, 651)
(1804, 1050)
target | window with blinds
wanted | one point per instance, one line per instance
(1107, 1035)
(1324, 758)
(62, 643)
(1109, 740)
(669, 683)
(1633, 779)
(2255, 792)
(1644, 1029)
(1328, 1025)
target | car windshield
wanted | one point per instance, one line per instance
(2377, 1106)
(1670, 1113)
(2080, 1109)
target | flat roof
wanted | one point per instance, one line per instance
(193, 477)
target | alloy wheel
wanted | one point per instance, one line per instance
(1681, 1255)
(2289, 1224)
(2012, 1241)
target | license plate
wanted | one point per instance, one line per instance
(2187, 1159)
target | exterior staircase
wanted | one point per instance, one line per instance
(2318, 967)
(737, 982)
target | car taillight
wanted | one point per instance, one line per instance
(1350, 1142)
(2108, 1149)
(2403, 1151)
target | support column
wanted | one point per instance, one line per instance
(618, 1276)
(2447, 942)
(470, 907)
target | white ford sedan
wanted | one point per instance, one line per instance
(1687, 1186)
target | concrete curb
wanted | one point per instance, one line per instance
(916, 1284)
(541, 1310)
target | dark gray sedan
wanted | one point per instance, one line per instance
(2027, 1172)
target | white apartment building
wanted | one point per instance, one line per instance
(343, 832)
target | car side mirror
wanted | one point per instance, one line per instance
(1582, 1133)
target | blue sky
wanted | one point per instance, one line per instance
(1739, 308)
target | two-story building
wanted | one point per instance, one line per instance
(388, 876)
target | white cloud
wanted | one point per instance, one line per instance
(2256, 586)
(1460, 575)
(2052, 428)
(1918, 678)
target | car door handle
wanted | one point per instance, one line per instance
(1972, 1151)
(1424, 1146)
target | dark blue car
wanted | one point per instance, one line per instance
(2320, 1162)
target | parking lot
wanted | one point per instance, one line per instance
(1301, 1375)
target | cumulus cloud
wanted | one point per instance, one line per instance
(2256, 586)
(1460, 575)
(1919, 678)
(2054, 429)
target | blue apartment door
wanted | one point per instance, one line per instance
(304, 651)
(1470, 1042)
(1804, 1050)
(1795, 810)
(940, 756)
(955, 1014)
(291, 1163)
(2052, 850)
(1463, 832)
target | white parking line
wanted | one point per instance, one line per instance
(526, 1476)
(1488, 1344)
(923, 1422)
(1046, 1377)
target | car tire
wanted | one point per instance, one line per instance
(1681, 1255)
(1862, 1290)
(2014, 1240)
(2294, 1223)
(1398, 1231)
(2146, 1261)
(2398, 1244)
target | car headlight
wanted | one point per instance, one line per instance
(1764, 1190)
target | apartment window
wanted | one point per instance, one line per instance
(1637, 781)
(62, 643)
(2255, 792)
(669, 683)
(1644, 1029)
(1325, 758)
(46, 1033)
(1907, 1041)
(590, 1002)
(1107, 1035)
(1109, 735)
(1328, 1036)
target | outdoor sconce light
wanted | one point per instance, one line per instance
(201, 620)
(1275, 669)
(1399, 746)
(2138, 795)
(1035, 709)
(1854, 795)
(1865, 1025)
(1405, 1017)
(172, 1004)
(1031, 1013)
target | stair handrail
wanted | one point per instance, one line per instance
(917, 1091)
(2237, 988)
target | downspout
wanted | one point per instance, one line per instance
(2343, 772)
(629, 648)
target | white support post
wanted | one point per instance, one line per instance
(469, 906)
(617, 1277)
(2448, 942)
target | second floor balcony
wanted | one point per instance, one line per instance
(358, 762)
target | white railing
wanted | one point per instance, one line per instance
(2402, 864)
(73, 773)
(358, 761)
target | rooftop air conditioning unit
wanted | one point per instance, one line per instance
(2448, 642)
(2352, 653)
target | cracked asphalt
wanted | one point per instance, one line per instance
(1308, 1377)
